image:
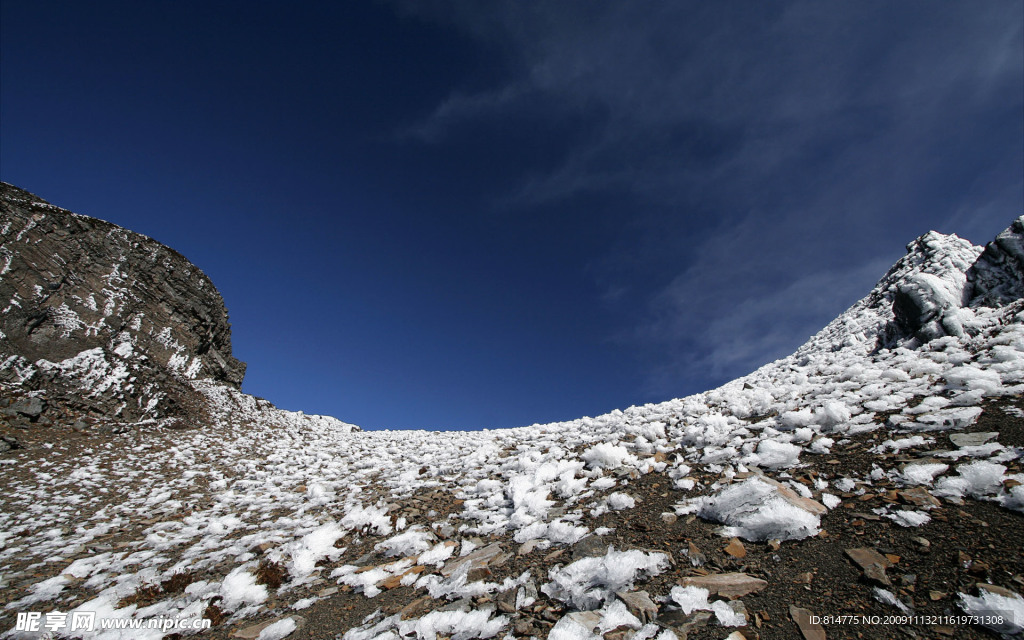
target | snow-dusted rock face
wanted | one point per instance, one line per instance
(927, 302)
(998, 276)
(105, 314)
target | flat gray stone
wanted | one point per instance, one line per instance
(589, 547)
(30, 407)
(975, 439)
(477, 559)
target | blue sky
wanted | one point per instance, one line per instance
(443, 214)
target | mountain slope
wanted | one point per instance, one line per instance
(105, 324)
(875, 472)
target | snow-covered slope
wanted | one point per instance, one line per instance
(529, 531)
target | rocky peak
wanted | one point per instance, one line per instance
(922, 289)
(998, 275)
(927, 287)
(935, 290)
(104, 313)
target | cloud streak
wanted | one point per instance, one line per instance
(799, 145)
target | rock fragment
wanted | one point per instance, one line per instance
(872, 563)
(919, 496)
(31, 408)
(727, 585)
(589, 547)
(477, 559)
(681, 623)
(999, 591)
(639, 604)
(792, 497)
(802, 618)
(417, 608)
(506, 601)
(736, 549)
(696, 556)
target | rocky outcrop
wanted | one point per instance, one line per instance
(918, 299)
(933, 291)
(998, 275)
(933, 303)
(926, 288)
(103, 316)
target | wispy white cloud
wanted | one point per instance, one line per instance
(460, 107)
(801, 145)
(674, 77)
(710, 330)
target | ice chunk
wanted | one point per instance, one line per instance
(415, 540)
(575, 626)
(606, 456)
(278, 630)
(796, 419)
(757, 510)
(616, 615)
(944, 419)
(314, 546)
(1014, 498)
(618, 501)
(727, 616)
(976, 479)
(832, 414)
(845, 484)
(690, 599)
(1003, 614)
(239, 587)
(437, 554)
(373, 517)
(888, 597)
(909, 518)
(458, 625)
(903, 443)
(558, 531)
(774, 455)
(923, 473)
(589, 582)
(970, 378)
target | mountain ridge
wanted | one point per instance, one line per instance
(875, 472)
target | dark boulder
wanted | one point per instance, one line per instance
(997, 277)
